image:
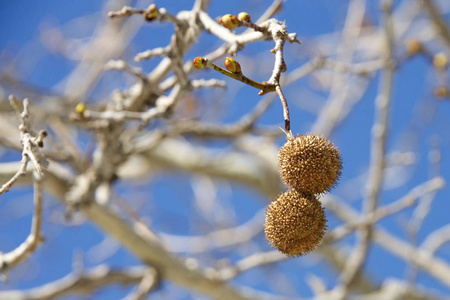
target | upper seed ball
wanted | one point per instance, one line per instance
(295, 223)
(310, 164)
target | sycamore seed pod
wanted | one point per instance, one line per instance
(243, 16)
(151, 13)
(230, 21)
(310, 164)
(232, 65)
(199, 62)
(295, 223)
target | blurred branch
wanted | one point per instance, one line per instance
(250, 262)
(233, 166)
(21, 172)
(148, 282)
(246, 123)
(436, 267)
(31, 145)
(82, 283)
(409, 199)
(436, 239)
(11, 259)
(343, 94)
(216, 239)
(393, 289)
(438, 20)
(378, 147)
(185, 273)
(429, 187)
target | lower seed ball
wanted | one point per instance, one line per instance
(295, 223)
(310, 164)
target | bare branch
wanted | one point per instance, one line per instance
(83, 284)
(378, 146)
(149, 282)
(21, 172)
(31, 145)
(438, 20)
(121, 65)
(11, 259)
(250, 262)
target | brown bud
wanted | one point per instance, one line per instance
(243, 16)
(442, 92)
(151, 13)
(310, 164)
(232, 65)
(199, 62)
(230, 21)
(413, 47)
(295, 223)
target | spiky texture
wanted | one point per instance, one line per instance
(295, 223)
(310, 164)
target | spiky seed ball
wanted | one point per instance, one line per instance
(295, 223)
(310, 164)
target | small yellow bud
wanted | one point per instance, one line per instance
(440, 60)
(230, 21)
(413, 47)
(151, 13)
(232, 65)
(80, 108)
(199, 62)
(243, 16)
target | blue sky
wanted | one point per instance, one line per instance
(23, 23)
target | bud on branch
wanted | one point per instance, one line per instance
(232, 65)
(230, 21)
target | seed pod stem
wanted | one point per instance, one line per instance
(287, 120)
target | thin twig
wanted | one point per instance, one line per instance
(149, 282)
(121, 65)
(126, 11)
(9, 260)
(21, 172)
(250, 262)
(264, 87)
(79, 283)
(428, 187)
(438, 20)
(287, 120)
(436, 267)
(31, 145)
